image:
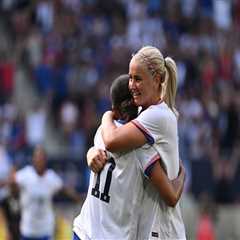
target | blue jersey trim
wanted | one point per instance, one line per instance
(148, 136)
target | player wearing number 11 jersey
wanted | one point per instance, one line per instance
(111, 208)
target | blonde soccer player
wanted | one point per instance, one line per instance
(153, 86)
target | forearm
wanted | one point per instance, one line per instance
(168, 194)
(170, 191)
(178, 185)
(123, 138)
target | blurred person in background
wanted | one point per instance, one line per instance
(118, 202)
(37, 186)
(205, 226)
(36, 125)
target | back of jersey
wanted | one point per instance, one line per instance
(111, 209)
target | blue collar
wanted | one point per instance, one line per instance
(121, 121)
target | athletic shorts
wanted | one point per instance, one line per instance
(75, 236)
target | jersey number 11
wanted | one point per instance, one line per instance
(104, 196)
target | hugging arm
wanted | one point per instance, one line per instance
(170, 190)
(123, 138)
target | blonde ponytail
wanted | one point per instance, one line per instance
(170, 83)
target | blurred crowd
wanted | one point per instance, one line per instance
(72, 49)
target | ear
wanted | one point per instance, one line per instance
(158, 79)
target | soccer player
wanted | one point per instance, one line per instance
(114, 200)
(37, 186)
(153, 86)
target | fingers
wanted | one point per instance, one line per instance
(96, 167)
(96, 159)
(102, 156)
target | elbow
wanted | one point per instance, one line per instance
(109, 146)
(112, 147)
(108, 140)
(172, 202)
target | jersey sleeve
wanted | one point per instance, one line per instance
(151, 123)
(98, 141)
(147, 157)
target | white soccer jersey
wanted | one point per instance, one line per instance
(111, 209)
(36, 194)
(158, 221)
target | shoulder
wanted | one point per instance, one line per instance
(27, 170)
(159, 110)
(24, 175)
(156, 115)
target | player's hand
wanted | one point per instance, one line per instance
(96, 159)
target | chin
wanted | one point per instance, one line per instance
(137, 102)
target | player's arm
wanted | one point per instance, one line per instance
(12, 180)
(170, 191)
(123, 138)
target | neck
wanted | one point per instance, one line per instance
(156, 101)
(40, 172)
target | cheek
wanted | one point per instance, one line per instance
(147, 87)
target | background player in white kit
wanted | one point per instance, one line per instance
(37, 186)
(153, 86)
(113, 204)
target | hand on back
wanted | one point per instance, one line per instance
(96, 159)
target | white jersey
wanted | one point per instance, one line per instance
(36, 193)
(158, 221)
(111, 209)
